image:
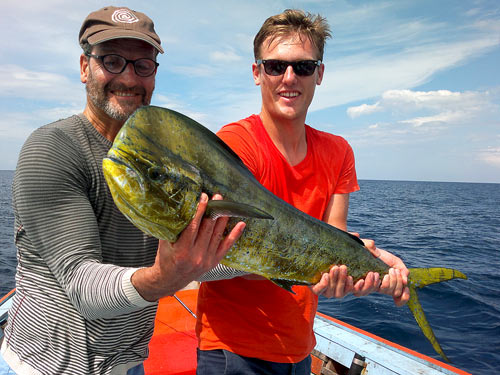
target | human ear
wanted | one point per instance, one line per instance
(321, 71)
(256, 73)
(84, 68)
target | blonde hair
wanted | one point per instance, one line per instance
(293, 21)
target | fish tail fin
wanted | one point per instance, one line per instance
(420, 277)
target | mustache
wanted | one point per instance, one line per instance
(110, 86)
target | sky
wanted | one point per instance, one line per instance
(414, 86)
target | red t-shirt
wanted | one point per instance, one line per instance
(257, 318)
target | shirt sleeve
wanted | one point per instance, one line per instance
(242, 143)
(347, 181)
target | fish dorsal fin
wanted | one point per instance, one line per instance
(356, 238)
(220, 208)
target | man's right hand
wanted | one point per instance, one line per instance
(199, 248)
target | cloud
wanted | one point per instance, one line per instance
(225, 57)
(490, 156)
(451, 107)
(367, 73)
(421, 116)
(363, 109)
(19, 82)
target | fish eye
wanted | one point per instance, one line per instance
(156, 174)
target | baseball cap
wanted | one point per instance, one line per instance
(118, 22)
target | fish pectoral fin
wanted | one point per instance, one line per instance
(220, 208)
(419, 315)
(285, 284)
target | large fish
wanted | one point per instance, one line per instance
(160, 163)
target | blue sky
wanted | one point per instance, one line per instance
(414, 86)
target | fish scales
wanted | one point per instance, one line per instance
(160, 163)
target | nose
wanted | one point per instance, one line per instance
(129, 73)
(289, 76)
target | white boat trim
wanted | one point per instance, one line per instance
(340, 342)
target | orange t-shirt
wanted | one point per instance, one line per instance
(257, 318)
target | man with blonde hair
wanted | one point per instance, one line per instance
(248, 325)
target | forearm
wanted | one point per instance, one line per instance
(103, 290)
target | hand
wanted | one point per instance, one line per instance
(394, 283)
(335, 283)
(199, 248)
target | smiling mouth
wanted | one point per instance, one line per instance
(124, 93)
(292, 94)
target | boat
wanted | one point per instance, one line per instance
(341, 349)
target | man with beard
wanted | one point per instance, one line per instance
(88, 281)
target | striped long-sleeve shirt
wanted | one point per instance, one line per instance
(75, 310)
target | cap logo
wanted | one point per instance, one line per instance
(124, 16)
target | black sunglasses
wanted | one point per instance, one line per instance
(302, 68)
(116, 64)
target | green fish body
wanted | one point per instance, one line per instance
(160, 163)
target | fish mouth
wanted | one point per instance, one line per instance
(122, 198)
(131, 173)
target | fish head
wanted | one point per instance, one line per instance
(155, 189)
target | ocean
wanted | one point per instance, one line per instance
(427, 224)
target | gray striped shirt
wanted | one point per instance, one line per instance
(75, 310)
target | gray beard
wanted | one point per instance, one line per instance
(99, 99)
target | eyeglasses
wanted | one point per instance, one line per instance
(302, 68)
(116, 64)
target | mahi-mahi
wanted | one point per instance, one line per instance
(160, 163)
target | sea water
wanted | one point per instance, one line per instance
(427, 224)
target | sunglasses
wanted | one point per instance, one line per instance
(116, 64)
(301, 68)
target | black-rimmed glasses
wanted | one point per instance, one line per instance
(278, 67)
(116, 64)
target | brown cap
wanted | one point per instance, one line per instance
(118, 22)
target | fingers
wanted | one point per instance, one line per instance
(336, 283)
(394, 284)
(230, 239)
(370, 245)
(322, 285)
(202, 245)
(369, 284)
(189, 234)
(403, 299)
(213, 232)
(338, 279)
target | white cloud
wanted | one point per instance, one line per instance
(19, 82)
(225, 57)
(441, 118)
(421, 116)
(368, 75)
(490, 156)
(448, 107)
(363, 109)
